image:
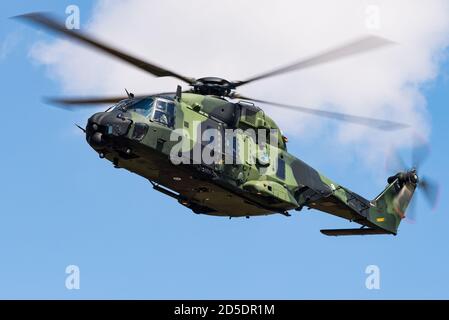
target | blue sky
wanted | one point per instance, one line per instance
(62, 205)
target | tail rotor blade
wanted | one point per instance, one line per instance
(394, 163)
(411, 215)
(430, 190)
(420, 152)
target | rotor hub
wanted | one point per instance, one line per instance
(405, 177)
(413, 176)
(213, 86)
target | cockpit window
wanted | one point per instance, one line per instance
(143, 106)
(121, 105)
(164, 112)
(161, 110)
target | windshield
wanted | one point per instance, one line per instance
(161, 110)
(120, 105)
(142, 106)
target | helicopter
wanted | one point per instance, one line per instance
(157, 136)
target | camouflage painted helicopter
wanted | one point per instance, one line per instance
(136, 134)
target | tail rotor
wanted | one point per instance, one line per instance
(409, 178)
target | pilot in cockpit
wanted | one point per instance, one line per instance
(161, 113)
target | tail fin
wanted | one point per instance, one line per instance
(389, 207)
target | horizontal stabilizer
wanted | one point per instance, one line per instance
(353, 232)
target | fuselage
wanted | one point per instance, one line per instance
(217, 157)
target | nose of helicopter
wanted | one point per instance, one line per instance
(102, 127)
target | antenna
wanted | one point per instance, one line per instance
(130, 94)
(81, 128)
(178, 93)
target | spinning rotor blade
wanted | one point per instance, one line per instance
(411, 212)
(89, 101)
(52, 24)
(430, 190)
(394, 163)
(369, 122)
(357, 46)
(92, 101)
(420, 152)
(427, 187)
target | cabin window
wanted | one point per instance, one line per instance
(263, 154)
(280, 172)
(230, 151)
(234, 149)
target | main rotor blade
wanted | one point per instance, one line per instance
(88, 101)
(369, 122)
(93, 101)
(52, 24)
(357, 46)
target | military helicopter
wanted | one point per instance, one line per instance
(136, 133)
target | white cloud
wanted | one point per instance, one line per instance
(8, 44)
(238, 39)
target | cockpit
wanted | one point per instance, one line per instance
(160, 110)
